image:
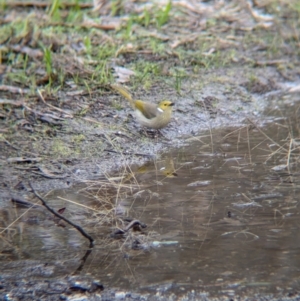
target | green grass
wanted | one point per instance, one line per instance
(163, 15)
(128, 28)
(53, 10)
(116, 7)
(48, 60)
(146, 18)
(179, 75)
(157, 46)
(75, 15)
(88, 45)
(106, 51)
(147, 72)
(78, 138)
(103, 73)
(60, 149)
(148, 56)
(3, 4)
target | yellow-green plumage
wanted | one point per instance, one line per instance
(149, 114)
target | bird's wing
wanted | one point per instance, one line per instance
(148, 109)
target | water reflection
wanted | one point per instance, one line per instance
(231, 218)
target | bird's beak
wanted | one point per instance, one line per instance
(172, 104)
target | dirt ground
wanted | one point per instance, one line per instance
(62, 124)
(221, 62)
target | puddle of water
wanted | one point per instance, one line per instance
(222, 216)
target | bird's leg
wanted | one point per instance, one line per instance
(148, 133)
(151, 133)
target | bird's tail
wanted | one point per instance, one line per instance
(124, 92)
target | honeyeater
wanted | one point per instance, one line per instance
(148, 114)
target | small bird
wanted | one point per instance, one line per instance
(148, 114)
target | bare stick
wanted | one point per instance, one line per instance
(63, 218)
(132, 224)
(53, 107)
(13, 89)
(45, 4)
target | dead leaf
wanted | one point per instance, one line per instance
(123, 74)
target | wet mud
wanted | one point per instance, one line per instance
(215, 195)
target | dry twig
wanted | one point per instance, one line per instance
(13, 89)
(62, 217)
(53, 107)
(42, 4)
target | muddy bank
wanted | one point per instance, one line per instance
(74, 150)
(86, 288)
(62, 124)
(49, 280)
(222, 64)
